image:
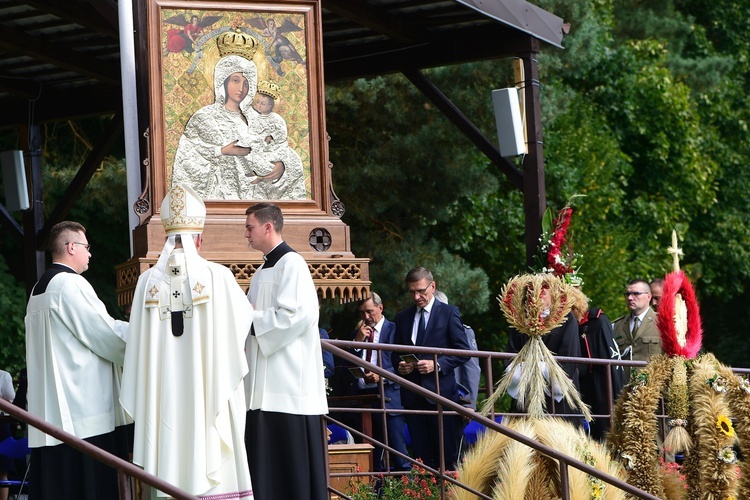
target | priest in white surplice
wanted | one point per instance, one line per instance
(285, 388)
(74, 351)
(184, 363)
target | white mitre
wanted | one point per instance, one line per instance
(183, 213)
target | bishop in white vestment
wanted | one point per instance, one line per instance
(184, 364)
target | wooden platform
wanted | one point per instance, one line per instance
(350, 458)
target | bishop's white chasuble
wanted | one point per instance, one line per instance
(186, 392)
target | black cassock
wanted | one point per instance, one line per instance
(562, 341)
(598, 341)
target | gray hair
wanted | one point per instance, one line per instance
(375, 299)
(441, 296)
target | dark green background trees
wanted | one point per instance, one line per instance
(645, 112)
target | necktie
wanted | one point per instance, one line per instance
(420, 328)
(636, 324)
(368, 352)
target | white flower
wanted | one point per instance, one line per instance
(678, 422)
(719, 385)
(630, 464)
(727, 455)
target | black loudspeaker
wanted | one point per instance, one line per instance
(14, 180)
(508, 121)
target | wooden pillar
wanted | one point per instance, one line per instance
(33, 219)
(534, 192)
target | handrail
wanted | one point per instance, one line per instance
(337, 348)
(94, 451)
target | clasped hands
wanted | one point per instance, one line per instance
(424, 366)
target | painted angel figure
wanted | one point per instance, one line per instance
(179, 40)
(281, 48)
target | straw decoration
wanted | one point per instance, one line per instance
(522, 304)
(678, 319)
(523, 473)
(678, 439)
(711, 470)
(738, 397)
(633, 435)
(480, 465)
(515, 465)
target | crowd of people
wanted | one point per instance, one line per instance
(587, 333)
(220, 392)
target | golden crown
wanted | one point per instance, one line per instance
(236, 43)
(270, 89)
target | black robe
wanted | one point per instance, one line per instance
(598, 341)
(562, 341)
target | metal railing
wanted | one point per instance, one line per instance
(446, 406)
(124, 468)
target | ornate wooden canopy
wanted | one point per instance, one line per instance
(61, 59)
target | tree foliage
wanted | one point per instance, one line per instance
(645, 112)
(101, 208)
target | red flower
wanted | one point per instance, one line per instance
(557, 240)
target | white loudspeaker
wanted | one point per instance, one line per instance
(508, 121)
(14, 180)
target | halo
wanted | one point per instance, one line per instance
(678, 319)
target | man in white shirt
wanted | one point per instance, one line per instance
(430, 323)
(376, 328)
(74, 351)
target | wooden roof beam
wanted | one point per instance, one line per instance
(82, 14)
(24, 44)
(25, 88)
(53, 105)
(345, 63)
(462, 122)
(103, 147)
(364, 14)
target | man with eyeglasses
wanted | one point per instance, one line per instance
(636, 333)
(74, 351)
(376, 328)
(430, 323)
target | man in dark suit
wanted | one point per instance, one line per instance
(374, 327)
(430, 323)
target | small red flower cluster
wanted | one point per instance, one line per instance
(418, 484)
(555, 258)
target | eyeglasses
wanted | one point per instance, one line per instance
(634, 294)
(421, 291)
(87, 246)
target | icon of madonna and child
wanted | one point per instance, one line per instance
(237, 147)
